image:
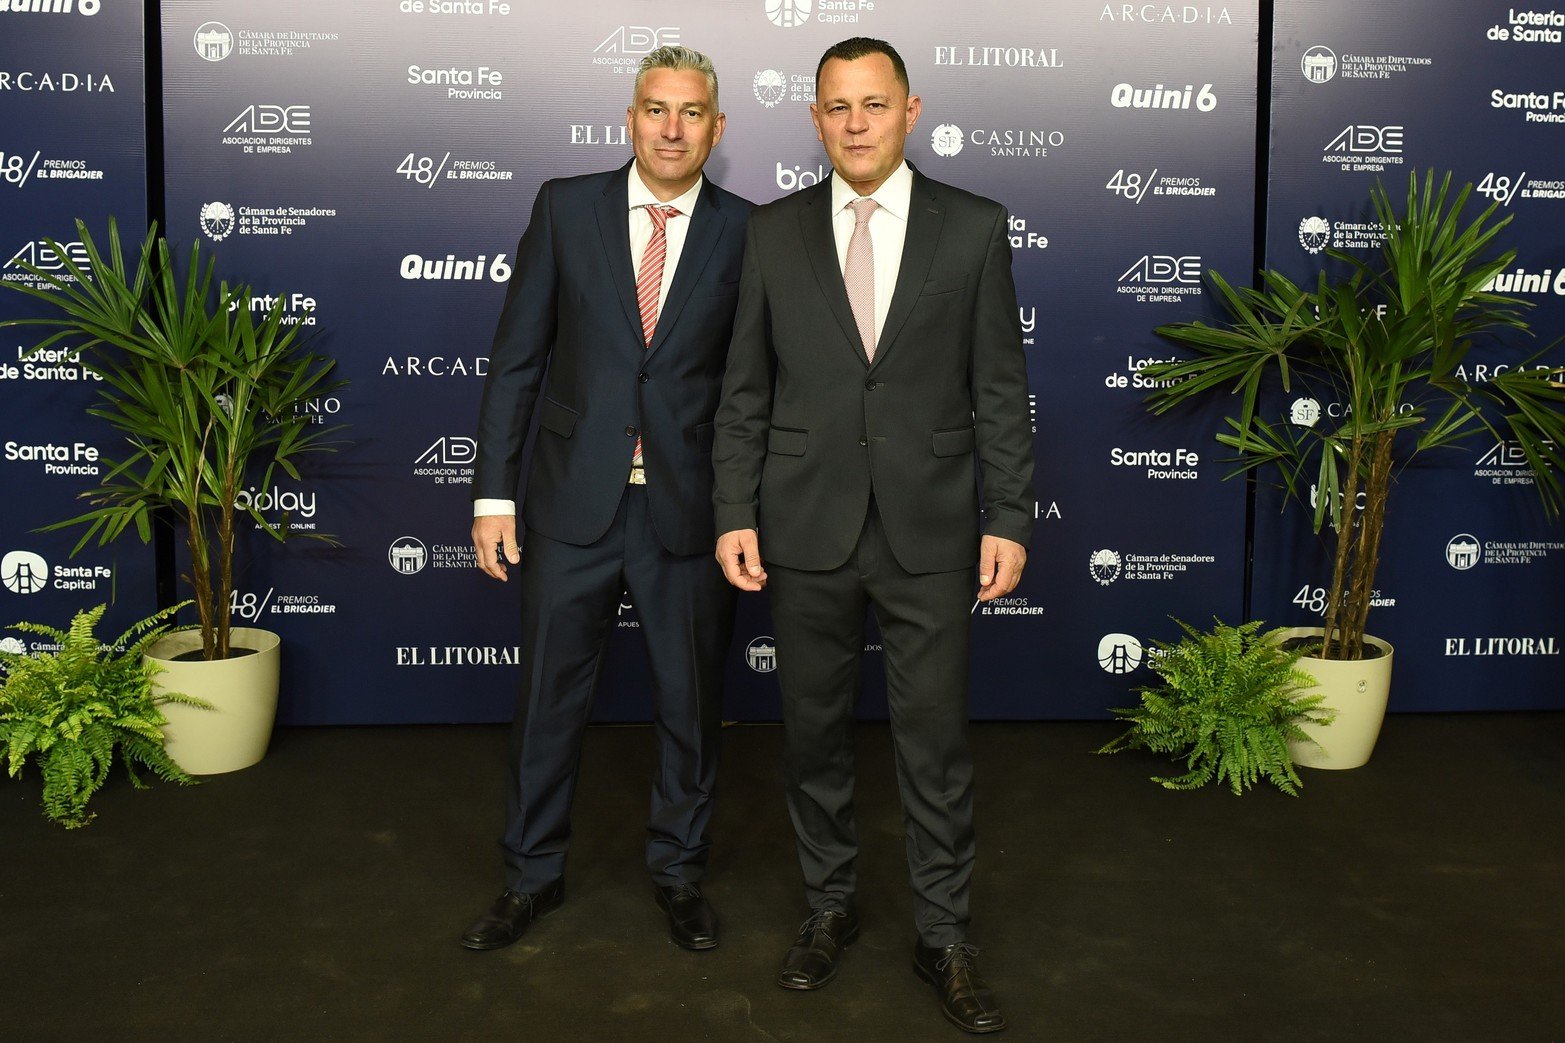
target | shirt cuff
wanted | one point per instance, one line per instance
(482, 507)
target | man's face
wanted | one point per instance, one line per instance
(863, 115)
(673, 127)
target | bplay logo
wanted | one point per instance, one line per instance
(408, 555)
(1120, 653)
(761, 654)
(791, 179)
(24, 572)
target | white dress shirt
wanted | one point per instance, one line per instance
(674, 231)
(887, 232)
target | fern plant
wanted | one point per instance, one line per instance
(1229, 703)
(70, 708)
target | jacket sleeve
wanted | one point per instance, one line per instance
(745, 411)
(518, 357)
(1000, 412)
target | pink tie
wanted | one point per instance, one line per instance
(859, 274)
(649, 282)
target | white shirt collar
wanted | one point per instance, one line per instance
(641, 195)
(895, 194)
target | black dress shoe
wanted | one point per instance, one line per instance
(965, 999)
(812, 962)
(692, 922)
(510, 916)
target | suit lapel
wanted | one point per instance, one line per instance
(706, 226)
(924, 219)
(821, 247)
(613, 211)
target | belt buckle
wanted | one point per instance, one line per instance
(638, 476)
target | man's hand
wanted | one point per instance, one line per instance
(1000, 564)
(494, 534)
(739, 552)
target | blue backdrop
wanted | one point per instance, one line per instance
(72, 145)
(335, 154)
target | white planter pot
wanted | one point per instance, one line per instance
(242, 690)
(1357, 690)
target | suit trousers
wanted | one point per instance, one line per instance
(924, 623)
(570, 600)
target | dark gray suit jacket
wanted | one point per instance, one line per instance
(571, 311)
(808, 429)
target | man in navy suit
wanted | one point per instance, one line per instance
(613, 335)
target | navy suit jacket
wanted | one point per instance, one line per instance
(569, 345)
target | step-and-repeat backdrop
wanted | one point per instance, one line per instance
(371, 165)
(72, 145)
(1472, 582)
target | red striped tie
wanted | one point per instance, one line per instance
(649, 281)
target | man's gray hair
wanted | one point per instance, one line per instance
(679, 59)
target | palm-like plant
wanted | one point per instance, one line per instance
(1388, 343)
(206, 395)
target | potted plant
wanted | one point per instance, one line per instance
(73, 707)
(1387, 343)
(1231, 703)
(209, 398)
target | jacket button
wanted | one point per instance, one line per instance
(863, 441)
(870, 385)
(630, 432)
(643, 378)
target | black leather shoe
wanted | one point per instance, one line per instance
(692, 922)
(812, 962)
(510, 916)
(965, 999)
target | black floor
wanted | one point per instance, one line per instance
(319, 895)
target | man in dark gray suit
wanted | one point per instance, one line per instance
(623, 294)
(876, 359)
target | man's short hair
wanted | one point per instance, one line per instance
(862, 47)
(679, 59)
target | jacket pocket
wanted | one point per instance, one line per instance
(557, 418)
(702, 433)
(934, 288)
(786, 442)
(952, 443)
(716, 289)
